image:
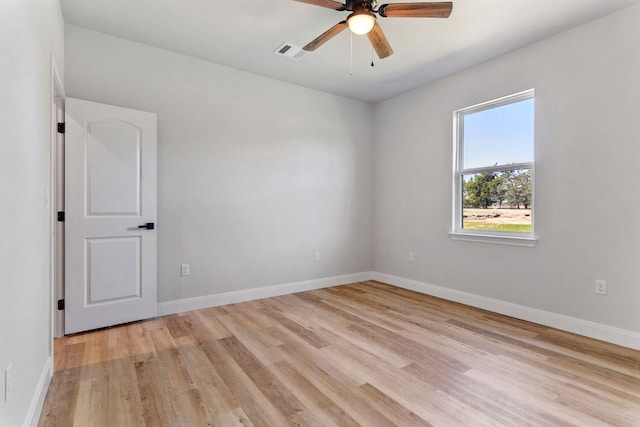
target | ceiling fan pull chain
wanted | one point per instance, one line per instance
(351, 71)
(372, 64)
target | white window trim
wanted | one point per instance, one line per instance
(486, 236)
(497, 237)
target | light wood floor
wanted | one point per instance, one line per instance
(363, 354)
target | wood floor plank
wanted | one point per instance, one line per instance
(330, 380)
(401, 415)
(254, 403)
(365, 354)
(278, 395)
(504, 408)
(157, 395)
(299, 330)
(61, 411)
(421, 398)
(325, 411)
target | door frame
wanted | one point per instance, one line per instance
(56, 191)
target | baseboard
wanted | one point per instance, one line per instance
(619, 336)
(188, 304)
(35, 408)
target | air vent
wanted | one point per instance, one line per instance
(290, 51)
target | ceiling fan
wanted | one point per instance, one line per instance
(362, 19)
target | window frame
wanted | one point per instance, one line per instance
(487, 236)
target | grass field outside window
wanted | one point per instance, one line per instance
(495, 219)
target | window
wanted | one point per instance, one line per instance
(493, 180)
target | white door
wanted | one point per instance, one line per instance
(110, 189)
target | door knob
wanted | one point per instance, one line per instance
(148, 226)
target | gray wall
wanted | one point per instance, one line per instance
(254, 174)
(587, 83)
(31, 32)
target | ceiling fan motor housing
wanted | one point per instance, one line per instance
(360, 5)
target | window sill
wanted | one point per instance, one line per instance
(526, 241)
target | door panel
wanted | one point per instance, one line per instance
(110, 187)
(113, 169)
(108, 284)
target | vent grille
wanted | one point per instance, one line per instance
(290, 51)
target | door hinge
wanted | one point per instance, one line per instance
(61, 127)
(60, 304)
(61, 216)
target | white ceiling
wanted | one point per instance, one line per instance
(244, 34)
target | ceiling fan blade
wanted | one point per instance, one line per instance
(379, 42)
(325, 3)
(416, 10)
(326, 36)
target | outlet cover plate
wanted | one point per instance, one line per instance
(601, 287)
(185, 269)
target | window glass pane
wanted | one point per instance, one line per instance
(497, 201)
(499, 136)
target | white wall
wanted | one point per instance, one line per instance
(30, 32)
(587, 85)
(254, 174)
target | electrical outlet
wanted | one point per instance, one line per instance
(8, 382)
(185, 269)
(601, 287)
(412, 257)
(316, 256)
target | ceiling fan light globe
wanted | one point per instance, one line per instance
(361, 23)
